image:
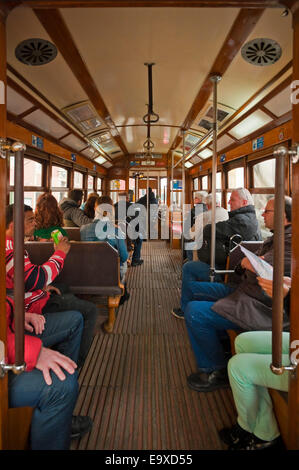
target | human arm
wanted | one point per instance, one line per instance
(48, 360)
(267, 285)
(79, 218)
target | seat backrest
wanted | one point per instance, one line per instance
(88, 264)
(73, 233)
(69, 223)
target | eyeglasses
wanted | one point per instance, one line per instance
(268, 210)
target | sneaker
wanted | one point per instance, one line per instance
(138, 262)
(202, 382)
(254, 443)
(178, 313)
(233, 435)
(80, 426)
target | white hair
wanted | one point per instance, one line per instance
(244, 194)
(201, 195)
(209, 199)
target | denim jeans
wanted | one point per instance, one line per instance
(137, 249)
(53, 404)
(193, 271)
(205, 327)
(68, 301)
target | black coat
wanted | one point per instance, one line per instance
(241, 221)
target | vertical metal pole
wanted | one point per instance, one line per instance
(147, 206)
(19, 279)
(277, 300)
(183, 195)
(215, 79)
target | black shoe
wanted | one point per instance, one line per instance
(80, 426)
(254, 443)
(124, 297)
(137, 262)
(178, 313)
(208, 382)
(233, 435)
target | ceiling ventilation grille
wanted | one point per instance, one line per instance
(261, 52)
(35, 52)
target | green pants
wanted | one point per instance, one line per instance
(250, 376)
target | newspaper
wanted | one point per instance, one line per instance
(261, 267)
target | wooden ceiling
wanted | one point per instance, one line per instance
(100, 61)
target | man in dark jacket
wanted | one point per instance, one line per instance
(242, 221)
(245, 307)
(73, 216)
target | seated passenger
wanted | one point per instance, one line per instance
(104, 229)
(242, 221)
(73, 216)
(199, 205)
(250, 377)
(49, 383)
(48, 217)
(222, 307)
(205, 218)
(40, 295)
(89, 205)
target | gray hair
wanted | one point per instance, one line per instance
(201, 195)
(209, 199)
(244, 194)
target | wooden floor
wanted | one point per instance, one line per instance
(133, 384)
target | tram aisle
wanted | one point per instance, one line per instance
(133, 384)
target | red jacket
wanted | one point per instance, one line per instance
(32, 345)
(36, 277)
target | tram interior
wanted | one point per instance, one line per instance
(77, 93)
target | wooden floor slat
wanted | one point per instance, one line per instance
(133, 383)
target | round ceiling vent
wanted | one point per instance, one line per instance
(261, 52)
(35, 52)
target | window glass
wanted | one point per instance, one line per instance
(32, 172)
(31, 197)
(118, 185)
(195, 184)
(163, 190)
(218, 180)
(59, 195)
(236, 178)
(58, 177)
(264, 174)
(260, 201)
(132, 183)
(90, 182)
(99, 183)
(204, 183)
(113, 196)
(78, 180)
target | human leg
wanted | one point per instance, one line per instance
(137, 250)
(53, 407)
(204, 326)
(87, 309)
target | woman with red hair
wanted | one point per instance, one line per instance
(48, 217)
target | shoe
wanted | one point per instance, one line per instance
(233, 435)
(137, 262)
(124, 297)
(254, 443)
(178, 313)
(80, 426)
(202, 382)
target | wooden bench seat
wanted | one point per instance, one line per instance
(73, 233)
(90, 269)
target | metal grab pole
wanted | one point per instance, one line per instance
(183, 196)
(19, 280)
(215, 79)
(147, 206)
(278, 273)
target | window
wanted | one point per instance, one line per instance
(59, 177)
(260, 201)
(264, 174)
(195, 184)
(59, 195)
(236, 178)
(32, 181)
(115, 187)
(163, 190)
(204, 183)
(78, 180)
(90, 183)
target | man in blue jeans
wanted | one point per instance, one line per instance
(242, 221)
(49, 384)
(221, 307)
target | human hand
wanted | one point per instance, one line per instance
(63, 245)
(49, 359)
(245, 263)
(52, 289)
(34, 322)
(267, 285)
